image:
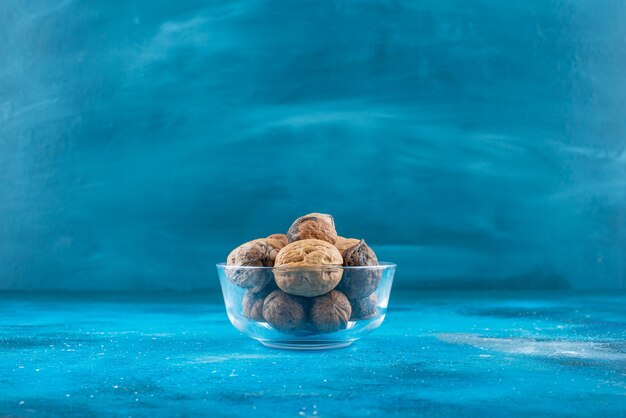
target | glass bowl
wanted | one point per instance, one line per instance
(367, 289)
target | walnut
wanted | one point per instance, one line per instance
(359, 255)
(284, 312)
(343, 244)
(252, 305)
(363, 308)
(308, 252)
(359, 283)
(282, 238)
(256, 253)
(305, 268)
(313, 225)
(331, 311)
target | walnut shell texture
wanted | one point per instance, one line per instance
(343, 244)
(304, 268)
(284, 312)
(330, 312)
(282, 238)
(313, 226)
(309, 252)
(359, 255)
(363, 308)
(359, 283)
(252, 305)
(260, 252)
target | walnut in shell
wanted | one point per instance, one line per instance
(308, 267)
(313, 226)
(256, 253)
(282, 238)
(284, 312)
(252, 305)
(330, 312)
(343, 244)
(363, 308)
(359, 283)
(359, 255)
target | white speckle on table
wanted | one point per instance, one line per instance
(234, 356)
(539, 348)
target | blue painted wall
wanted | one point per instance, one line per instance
(478, 144)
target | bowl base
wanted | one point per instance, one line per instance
(306, 345)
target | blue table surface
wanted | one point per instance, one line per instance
(465, 354)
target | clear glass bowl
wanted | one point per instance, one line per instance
(367, 287)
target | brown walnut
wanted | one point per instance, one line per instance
(330, 312)
(359, 255)
(282, 238)
(313, 226)
(284, 312)
(363, 308)
(260, 252)
(308, 267)
(252, 305)
(359, 283)
(343, 244)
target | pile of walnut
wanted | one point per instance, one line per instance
(307, 290)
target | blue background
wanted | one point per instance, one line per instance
(478, 144)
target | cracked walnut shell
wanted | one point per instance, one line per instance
(308, 267)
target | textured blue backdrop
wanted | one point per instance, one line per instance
(478, 144)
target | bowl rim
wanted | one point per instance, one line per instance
(382, 265)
